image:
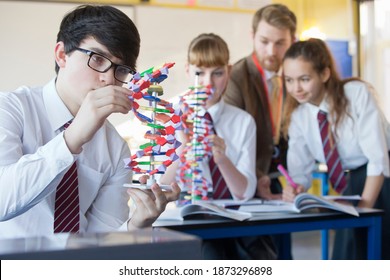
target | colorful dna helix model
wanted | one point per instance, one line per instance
(198, 149)
(163, 120)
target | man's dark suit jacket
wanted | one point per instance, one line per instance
(247, 90)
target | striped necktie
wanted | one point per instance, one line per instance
(220, 189)
(67, 206)
(333, 161)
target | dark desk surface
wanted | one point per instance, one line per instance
(267, 219)
(283, 223)
(142, 244)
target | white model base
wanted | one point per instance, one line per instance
(146, 186)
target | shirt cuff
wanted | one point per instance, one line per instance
(58, 151)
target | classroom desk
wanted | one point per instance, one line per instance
(145, 244)
(281, 223)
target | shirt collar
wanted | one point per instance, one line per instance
(216, 110)
(269, 75)
(324, 106)
(56, 109)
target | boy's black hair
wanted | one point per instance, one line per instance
(107, 25)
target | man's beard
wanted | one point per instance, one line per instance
(271, 64)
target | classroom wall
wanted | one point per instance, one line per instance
(28, 32)
(27, 36)
(375, 48)
(332, 17)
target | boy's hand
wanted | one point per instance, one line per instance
(96, 107)
(150, 204)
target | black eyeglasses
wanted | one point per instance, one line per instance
(102, 64)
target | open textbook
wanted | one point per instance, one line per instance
(302, 202)
(245, 210)
(203, 209)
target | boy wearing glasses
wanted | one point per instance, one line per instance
(48, 131)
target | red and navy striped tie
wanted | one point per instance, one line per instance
(67, 206)
(333, 161)
(220, 189)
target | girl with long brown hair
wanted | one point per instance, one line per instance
(338, 122)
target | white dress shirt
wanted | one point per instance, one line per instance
(34, 157)
(362, 138)
(238, 129)
(268, 77)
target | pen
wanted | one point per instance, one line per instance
(288, 178)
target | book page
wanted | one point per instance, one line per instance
(232, 202)
(171, 214)
(343, 197)
(270, 206)
(305, 201)
(180, 213)
(210, 208)
(302, 202)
